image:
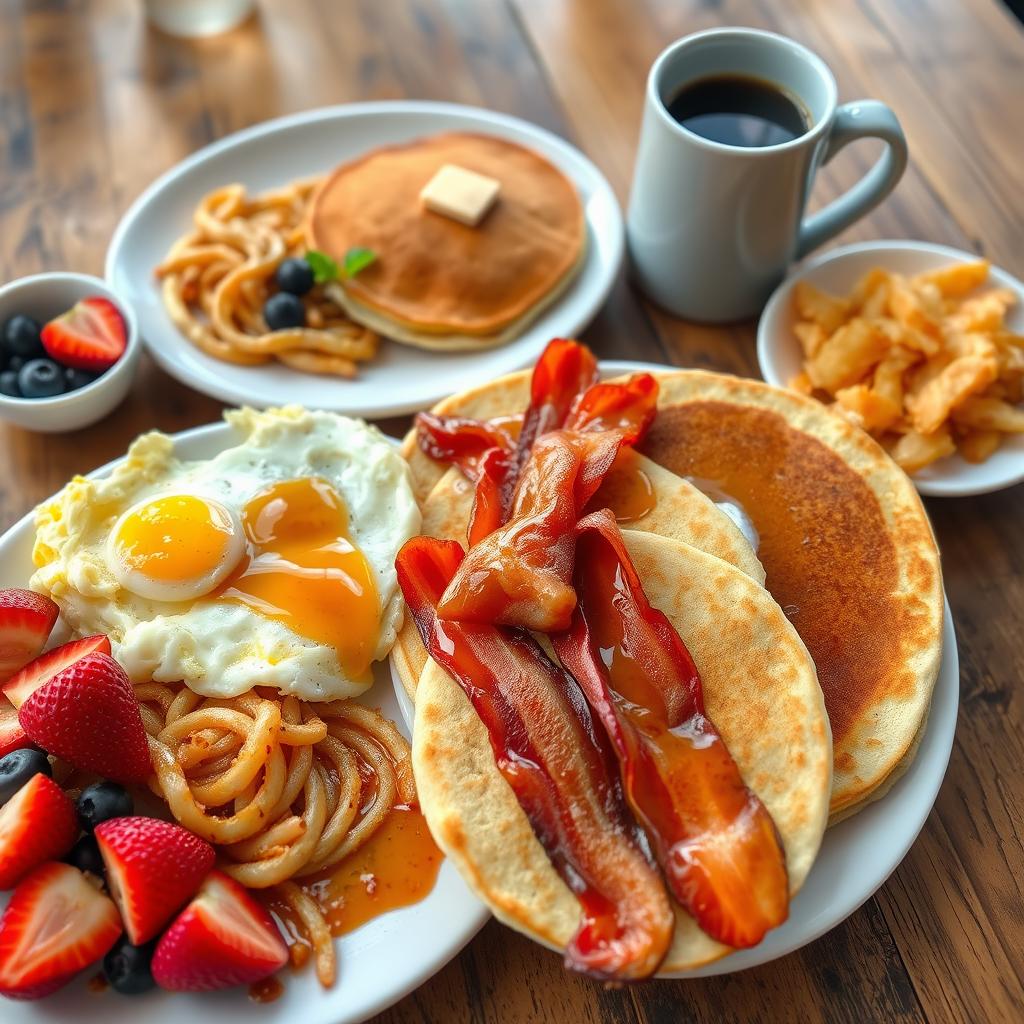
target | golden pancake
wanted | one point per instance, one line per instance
(435, 280)
(847, 549)
(760, 690)
(671, 508)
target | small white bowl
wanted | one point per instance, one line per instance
(781, 358)
(43, 297)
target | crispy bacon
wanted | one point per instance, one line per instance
(521, 574)
(712, 836)
(548, 748)
(460, 441)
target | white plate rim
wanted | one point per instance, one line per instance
(461, 921)
(612, 232)
(926, 773)
(947, 487)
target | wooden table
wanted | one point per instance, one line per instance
(94, 105)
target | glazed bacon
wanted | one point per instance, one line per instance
(715, 841)
(556, 759)
(520, 574)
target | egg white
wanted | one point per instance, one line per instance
(222, 649)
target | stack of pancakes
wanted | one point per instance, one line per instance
(437, 283)
(833, 626)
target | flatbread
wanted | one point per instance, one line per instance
(761, 692)
(847, 548)
(434, 276)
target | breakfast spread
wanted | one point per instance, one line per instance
(924, 364)
(67, 353)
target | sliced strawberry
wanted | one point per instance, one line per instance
(26, 619)
(88, 715)
(56, 924)
(89, 336)
(222, 938)
(24, 683)
(37, 824)
(12, 736)
(153, 868)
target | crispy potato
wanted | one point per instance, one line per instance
(978, 445)
(913, 450)
(990, 414)
(925, 364)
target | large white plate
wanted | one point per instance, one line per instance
(401, 379)
(858, 854)
(378, 963)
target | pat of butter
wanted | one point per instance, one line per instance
(463, 195)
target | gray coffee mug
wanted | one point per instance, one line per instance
(713, 227)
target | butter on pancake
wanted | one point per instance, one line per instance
(438, 283)
(847, 549)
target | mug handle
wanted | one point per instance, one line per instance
(857, 120)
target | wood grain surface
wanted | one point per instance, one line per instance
(94, 105)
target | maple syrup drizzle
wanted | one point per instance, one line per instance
(267, 990)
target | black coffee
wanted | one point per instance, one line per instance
(738, 111)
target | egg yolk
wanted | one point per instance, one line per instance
(305, 572)
(176, 546)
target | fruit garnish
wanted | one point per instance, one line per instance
(26, 619)
(41, 378)
(37, 824)
(25, 682)
(714, 839)
(56, 924)
(153, 869)
(284, 311)
(128, 968)
(90, 336)
(222, 938)
(88, 715)
(12, 736)
(18, 766)
(85, 855)
(295, 276)
(555, 757)
(102, 801)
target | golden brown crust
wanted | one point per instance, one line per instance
(434, 275)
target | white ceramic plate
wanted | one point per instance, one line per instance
(780, 357)
(401, 379)
(858, 854)
(378, 963)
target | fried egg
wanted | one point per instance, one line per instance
(271, 564)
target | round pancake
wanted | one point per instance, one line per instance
(434, 276)
(847, 549)
(679, 512)
(761, 692)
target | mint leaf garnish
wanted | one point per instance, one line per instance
(324, 268)
(357, 259)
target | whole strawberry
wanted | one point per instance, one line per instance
(88, 715)
(153, 869)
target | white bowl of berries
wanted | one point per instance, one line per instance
(69, 349)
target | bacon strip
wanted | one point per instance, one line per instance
(521, 574)
(548, 749)
(460, 441)
(715, 841)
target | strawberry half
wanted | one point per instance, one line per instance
(37, 824)
(12, 736)
(23, 684)
(89, 336)
(222, 938)
(153, 868)
(26, 619)
(88, 715)
(56, 924)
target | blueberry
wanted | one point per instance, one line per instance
(75, 379)
(85, 855)
(21, 337)
(15, 363)
(295, 276)
(102, 801)
(17, 767)
(41, 378)
(127, 967)
(9, 384)
(284, 310)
